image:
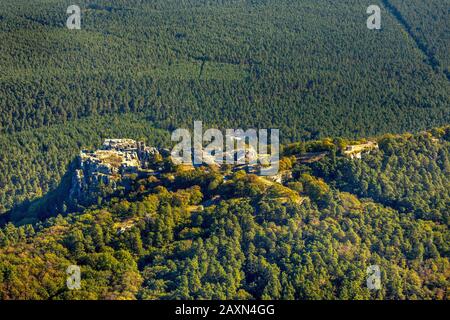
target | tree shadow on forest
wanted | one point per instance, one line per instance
(51, 204)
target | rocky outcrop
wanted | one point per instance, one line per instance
(356, 151)
(108, 165)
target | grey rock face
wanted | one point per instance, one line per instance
(108, 165)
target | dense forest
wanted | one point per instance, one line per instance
(310, 68)
(141, 68)
(192, 234)
(428, 23)
(410, 173)
(139, 65)
(33, 162)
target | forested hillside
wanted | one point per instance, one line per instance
(33, 162)
(191, 234)
(309, 68)
(139, 69)
(410, 173)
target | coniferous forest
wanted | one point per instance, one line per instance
(140, 69)
(195, 235)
